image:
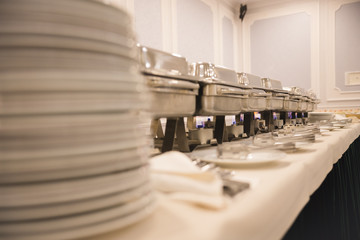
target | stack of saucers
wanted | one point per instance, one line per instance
(73, 162)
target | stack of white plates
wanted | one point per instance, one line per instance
(73, 162)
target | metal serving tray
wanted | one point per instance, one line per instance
(159, 63)
(276, 103)
(220, 92)
(171, 97)
(217, 99)
(302, 107)
(291, 105)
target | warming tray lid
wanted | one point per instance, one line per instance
(214, 72)
(158, 63)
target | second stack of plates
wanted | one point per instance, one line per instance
(73, 160)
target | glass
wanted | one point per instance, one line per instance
(264, 140)
(232, 150)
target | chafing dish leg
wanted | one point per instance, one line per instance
(191, 123)
(269, 120)
(284, 116)
(170, 129)
(181, 138)
(238, 118)
(156, 129)
(249, 124)
(219, 131)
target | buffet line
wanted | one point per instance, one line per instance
(196, 99)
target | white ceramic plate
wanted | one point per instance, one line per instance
(18, 195)
(43, 58)
(74, 207)
(63, 163)
(70, 80)
(258, 157)
(95, 12)
(57, 42)
(49, 28)
(64, 121)
(70, 222)
(102, 167)
(96, 228)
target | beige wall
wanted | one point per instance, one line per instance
(200, 30)
(323, 62)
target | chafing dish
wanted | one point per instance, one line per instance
(220, 92)
(258, 101)
(313, 101)
(290, 104)
(173, 90)
(159, 63)
(171, 97)
(273, 102)
(300, 95)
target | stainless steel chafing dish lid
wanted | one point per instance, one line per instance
(313, 97)
(294, 94)
(250, 80)
(243, 80)
(210, 73)
(275, 85)
(159, 63)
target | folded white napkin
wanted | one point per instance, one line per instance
(174, 173)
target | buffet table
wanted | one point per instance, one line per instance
(278, 193)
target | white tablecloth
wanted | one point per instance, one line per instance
(264, 212)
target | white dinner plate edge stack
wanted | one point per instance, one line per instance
(74, 159)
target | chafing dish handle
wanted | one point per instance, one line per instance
(230, 91)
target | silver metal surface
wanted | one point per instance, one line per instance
(291, 105)
(172, 104)
(159, 82)
(159, 63)
(220, 105)
(302, 105)
(213, 72)
(223, 90)
(276, 84)
(275, 103)
(266, 83)
(172, 98)
(254, 81)
(218, 99)
(256, 104)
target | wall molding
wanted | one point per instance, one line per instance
(345, 92)
(333, 93)
(225, 12)
(342, 99)
(310, 8)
